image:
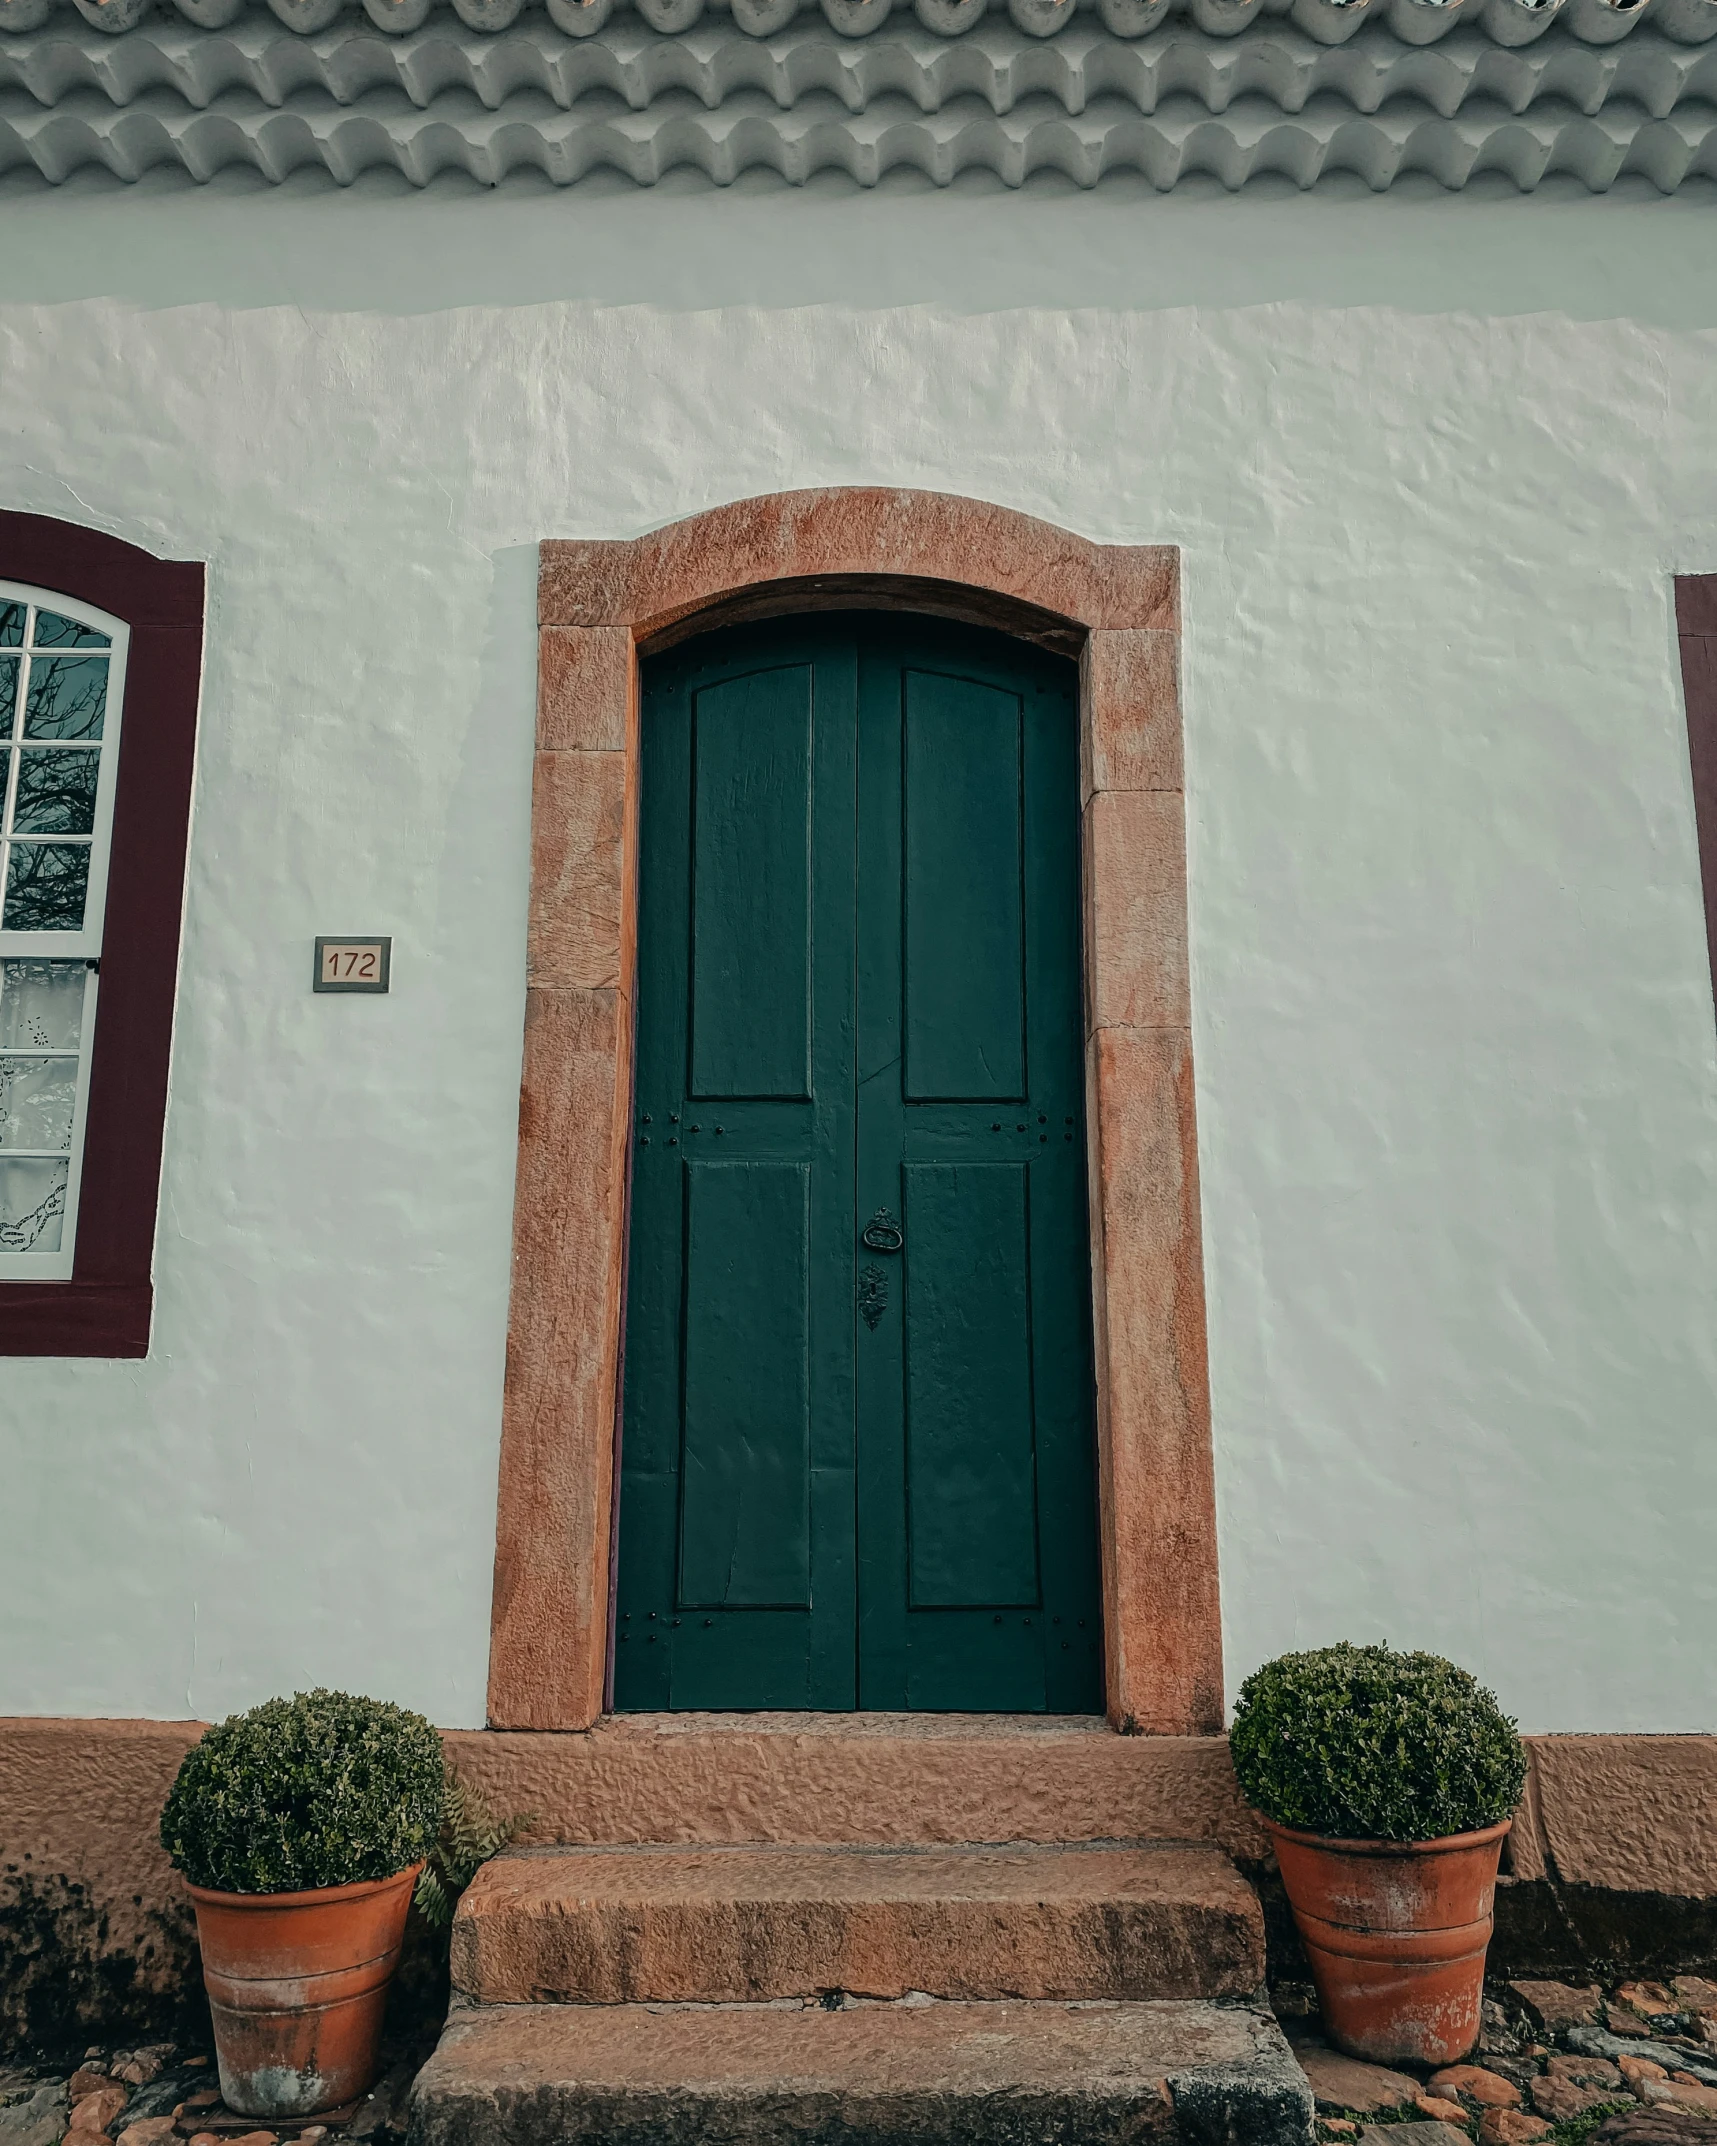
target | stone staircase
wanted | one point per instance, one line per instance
(1088, 1993)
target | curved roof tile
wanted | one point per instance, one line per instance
(1179, 99)
(1508, 23)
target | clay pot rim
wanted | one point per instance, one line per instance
(360, 1888)
(1443, 1844)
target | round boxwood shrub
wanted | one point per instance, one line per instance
(318, 1789)
(1361, 1743)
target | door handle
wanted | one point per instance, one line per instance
(882, 1233)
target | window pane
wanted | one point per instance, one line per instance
(37, 1097)
(8, 693)
(45, 887)
(41, 1005)
(67, 697)
(32, 1204)
(54, 631)
(11, 625)
(56, 791)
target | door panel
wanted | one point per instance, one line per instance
(965, 923)
(859, 1472)
(739, 1316)
(969, 812)
(745, 1472)
(751, 886)
(971, 1479)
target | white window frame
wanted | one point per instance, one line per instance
(82, 945)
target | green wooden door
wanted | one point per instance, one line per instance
(858, 1454)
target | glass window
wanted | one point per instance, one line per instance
(61, 679)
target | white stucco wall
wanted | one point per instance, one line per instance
(1432, 463)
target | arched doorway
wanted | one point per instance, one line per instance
(858, 1465)
(604, 608)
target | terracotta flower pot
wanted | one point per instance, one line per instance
(1396, 1933)
(298, 1983)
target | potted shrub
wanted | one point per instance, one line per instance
(301, 1828)
(1387, 1782)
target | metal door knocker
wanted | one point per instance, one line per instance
(882, 1233)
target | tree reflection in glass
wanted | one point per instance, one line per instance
(67, 697)
(56, 791)
(46, 883)
(54, 630)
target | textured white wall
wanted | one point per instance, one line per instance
(1432, 464)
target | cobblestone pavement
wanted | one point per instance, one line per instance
(160, 2095)
(1632, 2065)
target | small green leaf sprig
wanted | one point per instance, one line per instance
(470, 1834)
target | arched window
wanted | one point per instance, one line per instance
(62, 696)
(100, 657)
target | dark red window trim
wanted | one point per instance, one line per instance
(104, 1310)
(1696, 623)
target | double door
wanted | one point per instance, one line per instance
(858, 1447)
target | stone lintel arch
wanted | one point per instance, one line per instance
(602, 605)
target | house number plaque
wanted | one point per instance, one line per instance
(353, 964)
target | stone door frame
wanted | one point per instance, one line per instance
(601, 608)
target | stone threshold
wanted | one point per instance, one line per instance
(854, 1726)
(882, 1780)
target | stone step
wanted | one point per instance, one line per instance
(743, 1924)
(877, 1779)
(913, 2074)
